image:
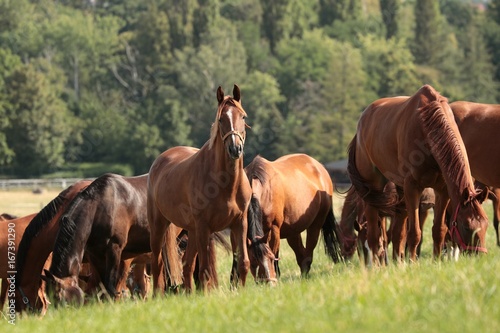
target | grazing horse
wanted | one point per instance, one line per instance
(35, 247)
(106, 221)
(294, 194)
(478, 124)
(202, 191)
(414, 142)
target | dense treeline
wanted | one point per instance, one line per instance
(119, 81)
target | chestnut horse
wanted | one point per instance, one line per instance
(415, 143)
(35, 246)
(294, 194)
(202, 191)
(478, 124)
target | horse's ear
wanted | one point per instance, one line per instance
(236, 93)
(220, 94)
(483, 194)
(48, 277)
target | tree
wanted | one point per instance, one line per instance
(273, 21)
(428, 31)
(39, 120)
(389, 10)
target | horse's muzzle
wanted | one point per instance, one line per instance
(235, 151)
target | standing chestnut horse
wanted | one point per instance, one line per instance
(415, 143)
(294, 194)
(202, 191)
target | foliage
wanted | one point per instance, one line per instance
(120, 81)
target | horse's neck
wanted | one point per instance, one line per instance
(217, 161)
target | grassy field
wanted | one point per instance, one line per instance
(427, 296)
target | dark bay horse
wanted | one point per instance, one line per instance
(414, 142)
(294, 194)
(108, 222)
(35, 246)
(202, 191)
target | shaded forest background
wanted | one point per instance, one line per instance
(91, 86)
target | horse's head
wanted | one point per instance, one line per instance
(262, 260)
(63, 290)
(230, 122)
(469, 222)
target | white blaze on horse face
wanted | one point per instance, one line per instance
(230, 116)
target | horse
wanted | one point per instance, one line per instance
(108, 222)
(293, 194)
(494, 196)
(35, 246)
(202, 191)
(11, 231)
(478, 124)
(414, 142)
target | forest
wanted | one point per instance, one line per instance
(94, 86)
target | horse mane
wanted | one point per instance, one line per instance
(35, 226)
(443, 142)
(214, 130)
(382, 199)
(67, 230)
(255, 229)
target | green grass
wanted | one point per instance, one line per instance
(428, 296)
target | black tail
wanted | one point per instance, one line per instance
(330, 236)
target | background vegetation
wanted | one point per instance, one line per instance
(119, 81)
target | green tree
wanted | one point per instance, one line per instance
(203, 18)
(389, 10)
(8, 63)
(39, 121)
(261, 96)
(389, 64)
(274, 21)
(428, 27)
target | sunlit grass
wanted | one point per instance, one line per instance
(427, 296)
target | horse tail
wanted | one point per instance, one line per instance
(170, 255)
(331, 237)
(381, 199)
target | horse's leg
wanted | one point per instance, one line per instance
(239, 232)
(399, 233)
(312, 237)
(412, 201)
(439, 227)
(274, 244)
(295, 242)
(113, 269)
(123, 275)
(234, 268)
(496, 211)
(423, 212)
(189, 259)
(373, 235)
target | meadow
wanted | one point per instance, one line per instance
(428, 296)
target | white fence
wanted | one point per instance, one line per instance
(34, 184)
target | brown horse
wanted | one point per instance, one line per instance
(494, 196)
(202, 191)
(478, 124)
(106, 221)
(415, 143)
(35, 247)
(294, 194)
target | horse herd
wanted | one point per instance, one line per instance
(409, 154)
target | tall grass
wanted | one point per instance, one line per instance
(428, 296)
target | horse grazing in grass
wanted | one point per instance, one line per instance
(202, 191)
(478, 124)
(414, 142)
(108, 222)
(35, 246)
(293, 194)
